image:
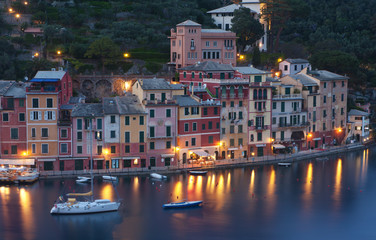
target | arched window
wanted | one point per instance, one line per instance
(254, 94)
(240, 91)
(200, 75)
(193, 75)
(260, 94)
(265, 94)
(232, 91)
(224, 90)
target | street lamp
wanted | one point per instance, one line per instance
(280, 60)
(58, 52)
(17, 15)
(10, 10)
(126, 55)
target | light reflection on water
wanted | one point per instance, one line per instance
(236, 200)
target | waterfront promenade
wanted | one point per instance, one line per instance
(219, 164)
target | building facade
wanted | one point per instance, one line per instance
(222, 18)
(293, 66)
(190, 44)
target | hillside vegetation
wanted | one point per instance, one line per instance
(337, 35)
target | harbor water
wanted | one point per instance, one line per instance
(314, 199)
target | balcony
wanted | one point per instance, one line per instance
(211, 102)
(229, 47)
(261, 127)
(64, 122)
(193, 48)
(260, 84)
(226, 81)
(37, 88)
(199, 89)
(287, 96)
(260, 110)
(232, 95)
(159, 137)
(158, 102)
(286, 125)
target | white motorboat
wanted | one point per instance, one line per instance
(284, 164)
(73, 206)
(158, 176)
(109, 178)
(83, 179)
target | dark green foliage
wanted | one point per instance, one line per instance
(153, 67)
(246, 27)
(256, 56)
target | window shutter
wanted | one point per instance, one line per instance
(45, 115)
(53, 115)
(31, 115)
(39, 115)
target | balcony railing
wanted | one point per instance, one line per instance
(64, 122)
(159, 137)
(302, 124)
(229, 47)
(232, 95)
(157, 101)
(261, 127)
(211, 102)
(42, 89)
(193, 47)
(226, 81)
(260, 109)
(286, 96)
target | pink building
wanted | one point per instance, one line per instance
(157, 97)
(82, 115)
(191, 44)
(13, 122)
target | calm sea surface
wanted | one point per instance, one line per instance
(334, 199)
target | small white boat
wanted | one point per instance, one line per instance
(193, 172)
(109, 178)
(157, 176)
(77, 207)
(83, 179)
(183, 204)
(284, 164)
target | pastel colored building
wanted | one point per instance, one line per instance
(190, 44)
(289, 120)
(88, 127)
(157, 96)
(325, 100)
(198, 127)
(48, 90)
(111, 126)
(133, 127)
(260, 113)
(13, 147)
(359, 125)
(291, 66)
(222, 18)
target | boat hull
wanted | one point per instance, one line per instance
(198, 172)
(157, 176)
(109, 178)
(182, 204)
(84, 208)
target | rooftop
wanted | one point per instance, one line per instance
(250, 70)
(110, 106)
(189, 23)
(158, 84)
(17, 90)
(50, 75)
(355, 112)
(4, 86)
(296, 60)
(214, 31)
(208, 66)
(185, 101)
(324, 75)
(88, 110)
(227, 9)
(129, 105)
(304, 80)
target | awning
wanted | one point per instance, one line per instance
(28, 161)
(44, 80)
(260, 145)
(278, 146)
(298, 135)
(316, 139)
(167, 155)
(130, 158)
(232, 149)
(201, 153)
(70, 158)
(46, 159)
(98, 159)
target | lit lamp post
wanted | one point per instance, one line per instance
(253, 156)
(126, 55)
(219, 148)
(309, 135)
(176, 153)
(105, 153)
(10, 10)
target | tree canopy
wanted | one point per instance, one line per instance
(103, 49)
(248, 29)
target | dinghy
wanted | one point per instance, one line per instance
(184, 204)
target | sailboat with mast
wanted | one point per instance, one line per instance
(72, 206)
